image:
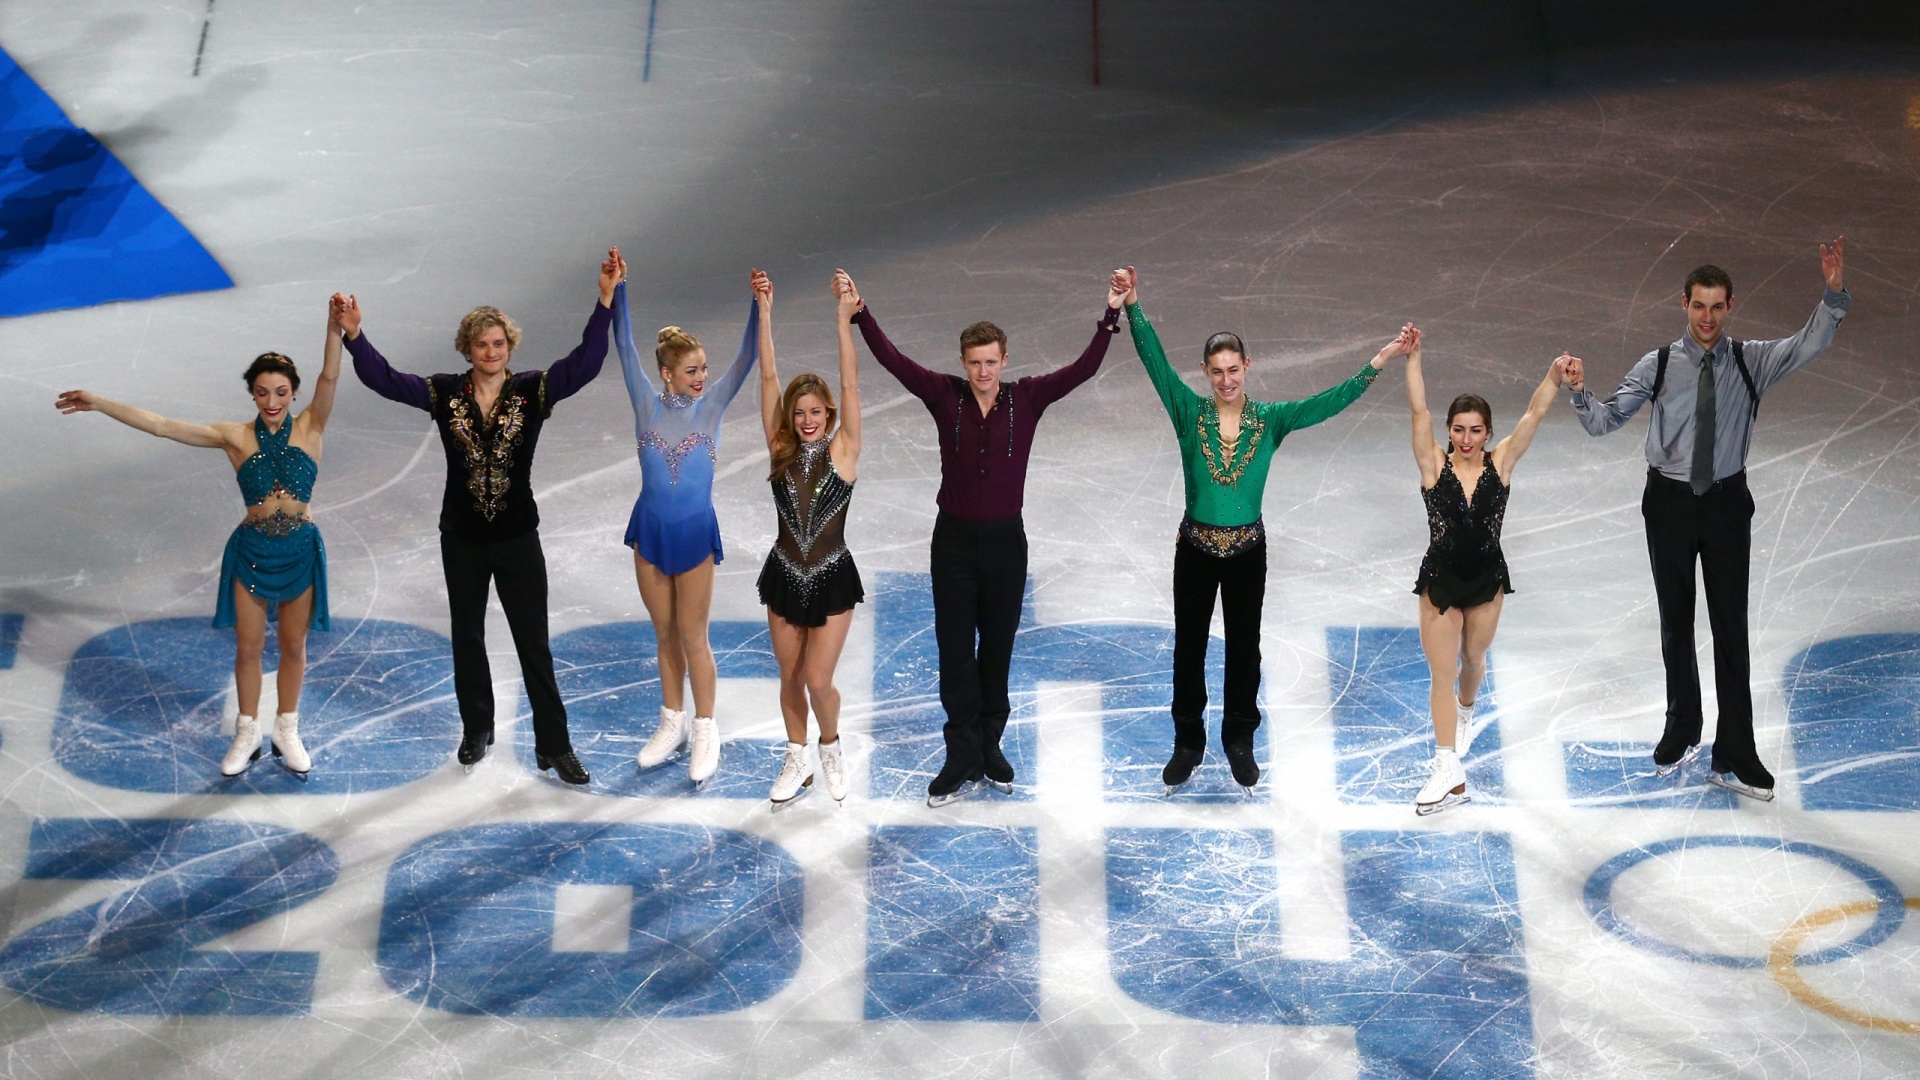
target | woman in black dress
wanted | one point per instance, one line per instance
(809, 582)
(1463, 578)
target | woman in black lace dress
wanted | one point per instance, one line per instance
(809, 582)
(1463, 578)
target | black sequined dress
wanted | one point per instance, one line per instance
(810, 574)
(1464, 566)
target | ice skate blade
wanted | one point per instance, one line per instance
(467, 770)
(1738, 787)
(964, 791)
(1664, 771)
(1003, 787)
(1449, 802)
(781, 804)
(1248, 790)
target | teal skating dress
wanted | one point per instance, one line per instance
(279, 556)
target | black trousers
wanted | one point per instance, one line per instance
(979, 579)
(1716, 529)
(1240, 581)
(517, 569)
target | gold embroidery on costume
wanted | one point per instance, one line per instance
(1230, 463)
(488, 448)
(1222, 541)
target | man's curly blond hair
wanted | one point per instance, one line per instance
(478, 321)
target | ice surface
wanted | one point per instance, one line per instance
(396, 917)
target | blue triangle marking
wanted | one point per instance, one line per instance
(76, 228)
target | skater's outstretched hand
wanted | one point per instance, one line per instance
(613, 271)
(345, 312)
(1576, 373)
(847, 294)
(1833, 263)
(1403, 343)
(762, 287)
(1120, 287)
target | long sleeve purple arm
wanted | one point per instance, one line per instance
(920, 382)
(379, 376)
(581, 366)
(1060, 382)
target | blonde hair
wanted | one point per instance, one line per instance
(478, 321)
(674, 344)
(786, 442)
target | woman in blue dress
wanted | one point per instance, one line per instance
(674, 533)
(275, 567)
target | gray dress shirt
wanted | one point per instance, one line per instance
(1670, 433)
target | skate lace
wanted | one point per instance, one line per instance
(792, 768)
(830, 764)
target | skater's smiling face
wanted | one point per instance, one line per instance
(1227, 371)
(1708, 308)
(1468, 432)
(489, 351)
(273, 396)
(687, 374)
(811, 418)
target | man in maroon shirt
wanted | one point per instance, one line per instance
(979, 550)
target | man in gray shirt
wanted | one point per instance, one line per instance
(1706, 390)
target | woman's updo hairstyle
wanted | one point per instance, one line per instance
(1469, 403)
(1222, 342)
(272, 363)
(674, 344)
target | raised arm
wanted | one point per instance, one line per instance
(1510, 449)
(640, 388)
(372, 368)
(1060, 382)
(849, 302)
(220, 435)
(1772, 361)
(328, 384)
(1287, 416)
(581, 366)
(1426, 449)
(1600, 417)
(770, 393)
(1179, 399)
(920, 382)
(744, 361)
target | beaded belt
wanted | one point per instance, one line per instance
(1222, 541)
(278, 523)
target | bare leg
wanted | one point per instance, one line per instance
(295, 616)
(249, 641)
(822, 656)
(692, 600)
(1440, 639)
(789, 649)
(656, 591)
(1476, 637)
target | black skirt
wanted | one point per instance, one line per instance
(1447, 590)
(809, 602)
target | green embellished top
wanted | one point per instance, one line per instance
(1226, 481)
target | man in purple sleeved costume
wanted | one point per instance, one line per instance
(979, 550)
(490, 419)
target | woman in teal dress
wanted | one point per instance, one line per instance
(275, 567)
(1227, 443)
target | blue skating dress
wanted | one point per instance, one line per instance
(280, 556)
(673, 525)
